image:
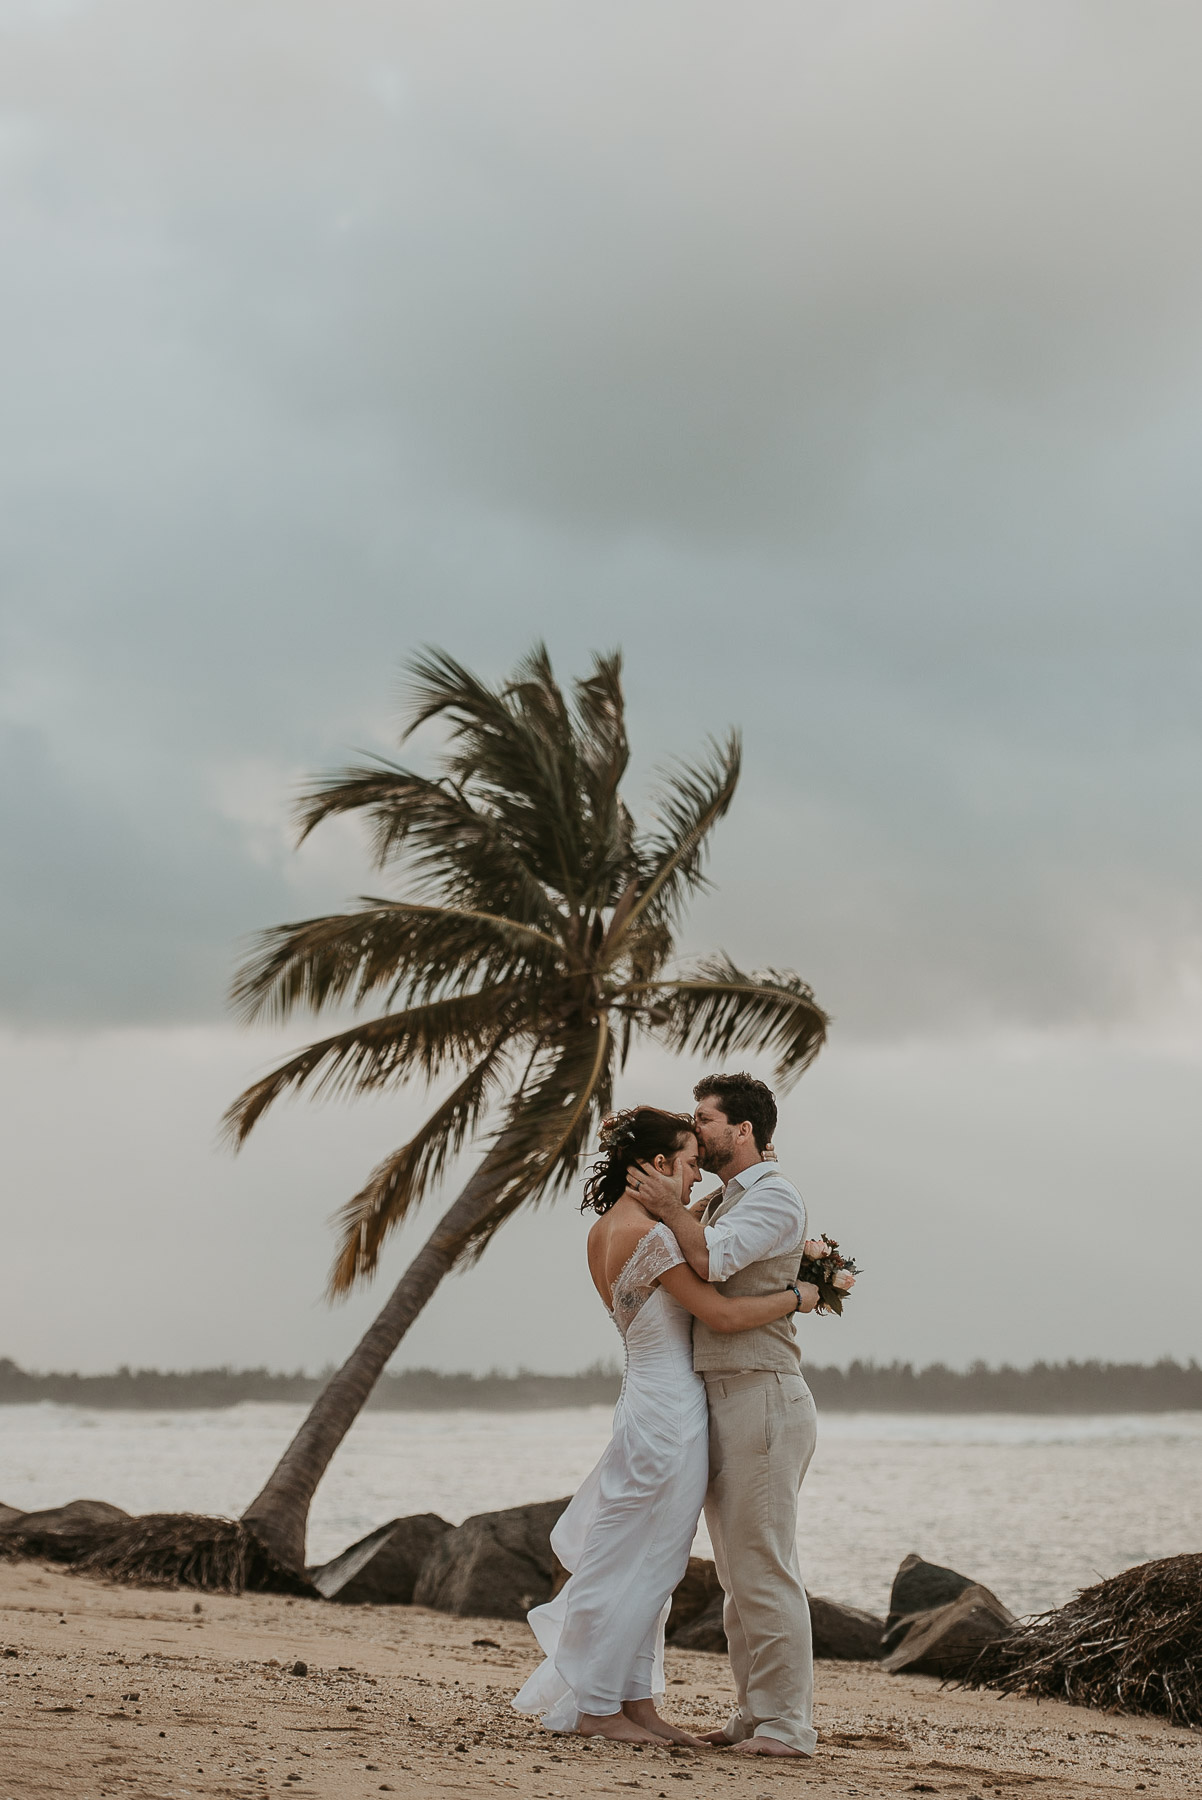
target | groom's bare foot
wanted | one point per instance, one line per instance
(642, 1712)
(765, 1746)
(616, 1727)
(717, 1737)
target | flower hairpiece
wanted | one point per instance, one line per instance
(618, 1130)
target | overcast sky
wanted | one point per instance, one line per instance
(843, 365)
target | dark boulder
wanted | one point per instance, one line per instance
(704, 1631)
(918, 1587)
(697, 1589)
(382, 1568)
(63, 1533)
(844, 1633)
(493, 1566)
(947, 1640)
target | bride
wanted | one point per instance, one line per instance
(625, 1537)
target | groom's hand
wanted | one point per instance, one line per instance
(657, 1192)
(663, 1197)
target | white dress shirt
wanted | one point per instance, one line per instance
(768, 1219)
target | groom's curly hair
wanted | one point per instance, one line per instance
(742, 1097)
(639, 1134)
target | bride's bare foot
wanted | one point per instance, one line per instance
(615, 1726)
(718, 1737)
(642, 1712)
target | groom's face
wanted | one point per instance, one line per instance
(718, 1138)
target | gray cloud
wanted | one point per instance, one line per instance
(843, 367)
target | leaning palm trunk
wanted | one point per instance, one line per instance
(279, 1513)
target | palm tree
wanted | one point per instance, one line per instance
(530, 948)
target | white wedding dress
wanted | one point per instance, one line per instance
(626, 1535)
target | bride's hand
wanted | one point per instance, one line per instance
(656, 1191)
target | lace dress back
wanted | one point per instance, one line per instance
(651, 1257)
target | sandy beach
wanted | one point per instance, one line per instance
(120, 1691)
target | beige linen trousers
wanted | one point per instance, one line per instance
(763, 1428)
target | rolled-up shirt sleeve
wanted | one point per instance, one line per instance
(769, 1219)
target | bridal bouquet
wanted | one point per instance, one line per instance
(832, 1273)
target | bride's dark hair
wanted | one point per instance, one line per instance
(638, 1135)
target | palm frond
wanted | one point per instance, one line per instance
(391, 795)
(547, 1126)
(643, 951)
(375, 1054)
(718, 1009)
(456, 847)
(398, 946)
(601, 709)
(441, 687)
(690, 803)
(604, 754)
(556, 831)
(520, 754)
(398, 1184)
(534, 695)
(504, 743)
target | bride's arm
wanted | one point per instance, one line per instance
(729, 1313)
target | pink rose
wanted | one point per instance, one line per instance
(817, 1249)
(844, 1281)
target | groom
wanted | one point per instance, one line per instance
(748, 1240)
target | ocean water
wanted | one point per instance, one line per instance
(1036, 1507)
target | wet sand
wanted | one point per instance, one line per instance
(135, 1692)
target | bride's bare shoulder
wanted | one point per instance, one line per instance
(616, 1234)
(598, 1237)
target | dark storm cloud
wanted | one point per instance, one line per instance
(842, 364)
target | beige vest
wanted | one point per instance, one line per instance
(768, 1346)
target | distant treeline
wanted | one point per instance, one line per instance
(413, 1390)
(1072, 1387)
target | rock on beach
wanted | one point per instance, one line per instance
(919, 1587)
(382, 1568)
(841, 1633)
(947, 1640)
(66, 1533)
(495, 1565)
